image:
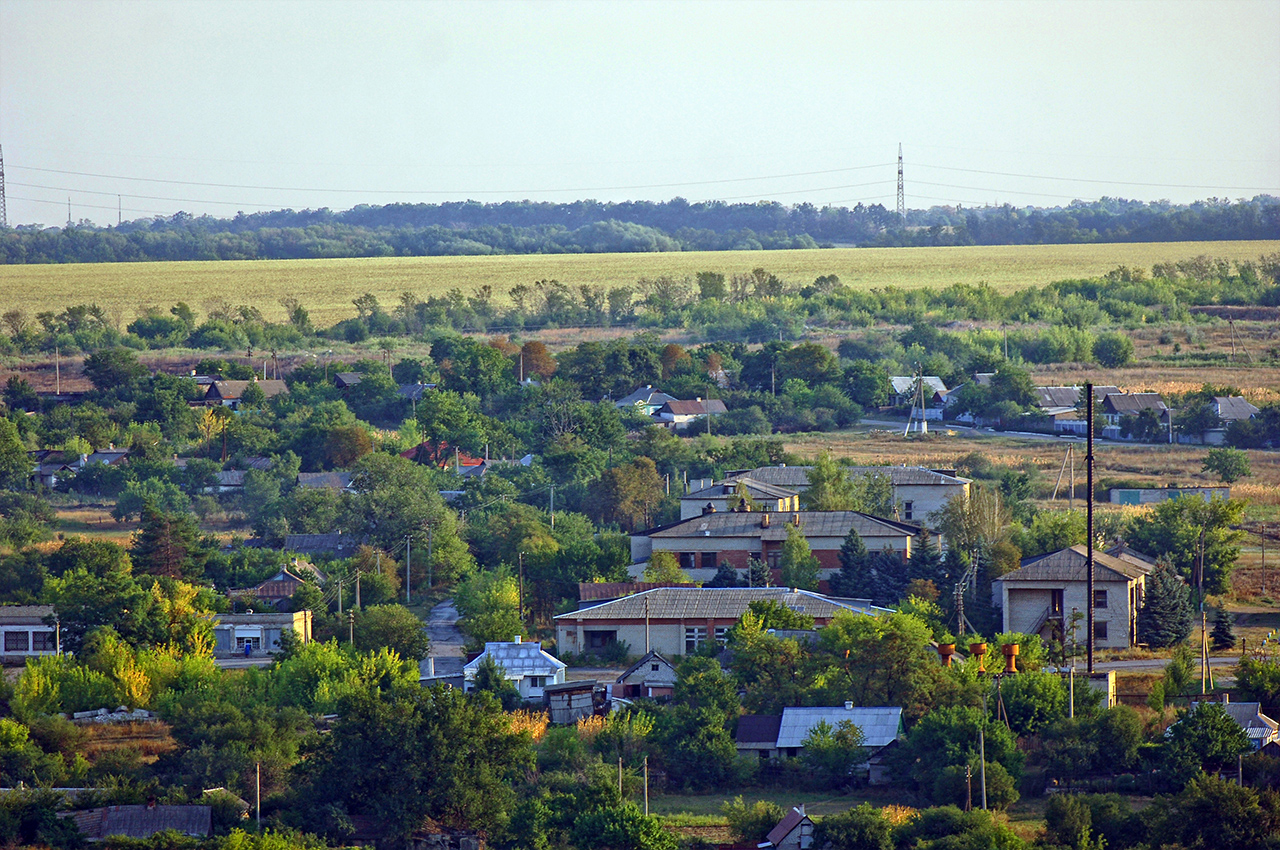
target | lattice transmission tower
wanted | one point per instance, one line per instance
(902, 196)
(4, 214)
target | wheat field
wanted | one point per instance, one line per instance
(326, 287)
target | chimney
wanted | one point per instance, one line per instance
(848, 706)
(764, 520)
(517, 639)
(708, 508)
(795, 520)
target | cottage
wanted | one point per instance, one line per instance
(704, 542)
(139, 821)
(681, 414)
(793, 832)
(652, 677)
(680, 620)
(256, 634)
(1260, 729)
(523, 662)
(1118, 406)
(347, 380)
(645, 400)
(881, 727)
(1038, 597)
(278, 590)
(1233, 408)
(335, 545)
(917, 491)
(229, 393)
(25, 632)
(726, 494)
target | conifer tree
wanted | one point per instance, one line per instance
(853, 579)
(1223, 636)
(1165, 616)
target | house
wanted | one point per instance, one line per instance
(704, 542)
(793, 832)
(347, 380)
(335, 545)
(679, 620)
(646, 400)
(246, 634)
(1153, 495)
(681, 414)
(881, 727)
(651, 677)
(280, 588)
(339, 481)
(141, 821)
(1233, 408)
(917, 491)
(1038, 597)
(414, 392)
(229, 393)
(25, 633)
(902, 388)
(1117, 406)
(523, 662)
(1260, 729)
(717, 497)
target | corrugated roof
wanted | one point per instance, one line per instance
(812, 523)
(879, 725)
(1233, 408)
(1250, 717)
(24, 615)
(755, 489)
(1054, 397)
(141, 821)
(518, 659)
(696, 407)
(1129, 403)
(716, 603)
(235, 389)
(1071, 565)
(325, 480)
(644, 395)
(759, 729)
(593, 591)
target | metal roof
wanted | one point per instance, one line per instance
(812, 523)
(1126, 403)
(797, 477)
(517, 659)
(141, 821)
(325, 480)
(696, 407)
(906, 383)
(759, 729)
(235, 389)
(1234, 407)
(879, 725)
(716, 603)
(779, 833)
(645, 395)
(755, 489)
(1071, 565)
(24, 615)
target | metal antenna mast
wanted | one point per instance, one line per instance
(902, 196)
(4, 215)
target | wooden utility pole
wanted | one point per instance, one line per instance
(1088, 460)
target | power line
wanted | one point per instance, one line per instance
(1103, 182)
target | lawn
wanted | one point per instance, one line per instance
(326, 287)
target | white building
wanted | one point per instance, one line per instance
(524, 664)
(917, 491)
(25, 633)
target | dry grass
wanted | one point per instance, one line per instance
(533, 722)
(149, 740)
(326, 287)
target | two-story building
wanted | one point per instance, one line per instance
(1039, 597)
(917, 491)
(725, 495)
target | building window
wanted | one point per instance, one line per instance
(1099, 599)
(43, 642)
(1099, 629)
(722, 633)
(537, 681)
(16, 641)
(774, 558)
(708, 560)
(1055, 602)
(694, 637)
(254, 643)
(908, 510)
(653, 668)
(688, 560)
(600, 640)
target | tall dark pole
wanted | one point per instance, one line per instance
(1088, 390)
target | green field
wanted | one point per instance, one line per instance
(326, 287)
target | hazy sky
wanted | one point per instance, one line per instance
(335, 104)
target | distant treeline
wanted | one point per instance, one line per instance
(526, 227)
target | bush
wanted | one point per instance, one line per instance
(1113, 350)
(750, 824)
(859, 828)
(952, 786)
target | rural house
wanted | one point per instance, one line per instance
(646, 400)
(917, 491)
(1039, 597)
(681, 414)
(652, 677)
(246, 634)
(679, 620)
(793, 832)
(25, 633)
(704, 542)
(229, 393)
(784, 736)
(524, 663)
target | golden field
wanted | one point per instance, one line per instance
(327, 287)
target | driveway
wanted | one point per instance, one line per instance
(446, 639)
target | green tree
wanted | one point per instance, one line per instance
(491, 678)
(751, 823)
(1179, 529)
(622, 827)
(830, 487)
(1214, 812)
(15, 468)
(772, 614)
(394, 627)
(799, 564)
(168, 545)
(1203, 739)
(627, 494)
(161, 494)
(863, 827)
(1223, 636)
(113, 368)
(1259, 680)
(947, 737)
(1165, 616)
(853, 579)
(831, 753)
(663, 567)
(1230, 465)
(1113, 350)
(489, 602)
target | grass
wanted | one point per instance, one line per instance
(326, 287)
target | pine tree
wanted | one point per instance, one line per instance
(167, 544)
(1165, 616)
(1223, 636)
(726, 576)
(852, 580)
(926, 561)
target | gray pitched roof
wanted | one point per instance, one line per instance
(24, 615)
(905, 383)
(235, 389)
(758, 729)
(694, 407)
(1126, 404)
(517, 659)
(1071, 565)
(716, 603)
(325, 480)
(755, 489)
(651, 657)
(1231, 408)
(812, 523)
(879, 725)
(336, 544)
(793, 818)
(1054, 397)
(139, 821)
(644, 395)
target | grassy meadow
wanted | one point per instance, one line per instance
(327, 287)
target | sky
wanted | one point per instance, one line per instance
(147, 108)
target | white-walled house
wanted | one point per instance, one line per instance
(523, 662)
(25, 634)
(1039, 597)
(917, 491)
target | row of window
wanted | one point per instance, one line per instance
(696, 636)
(30, 642)
(1056, 600)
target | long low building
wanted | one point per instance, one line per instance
(679, 620)
(25, 632)
(255, 634)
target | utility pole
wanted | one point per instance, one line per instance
(902, 209)
(1088, 461)
(520, 561)
(351, 626)
(4, 214)
(258, 784)
(407, 574)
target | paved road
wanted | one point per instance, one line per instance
(446, 639)
(239, 662)
(1156, 665)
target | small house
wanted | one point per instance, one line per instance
(257, 634)
(646, 400)
(523, 662)
(141, 821)
(682, 414)
(25, 633)
(793, 832)
(229, 393)
(652, 677)
(347, 380)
